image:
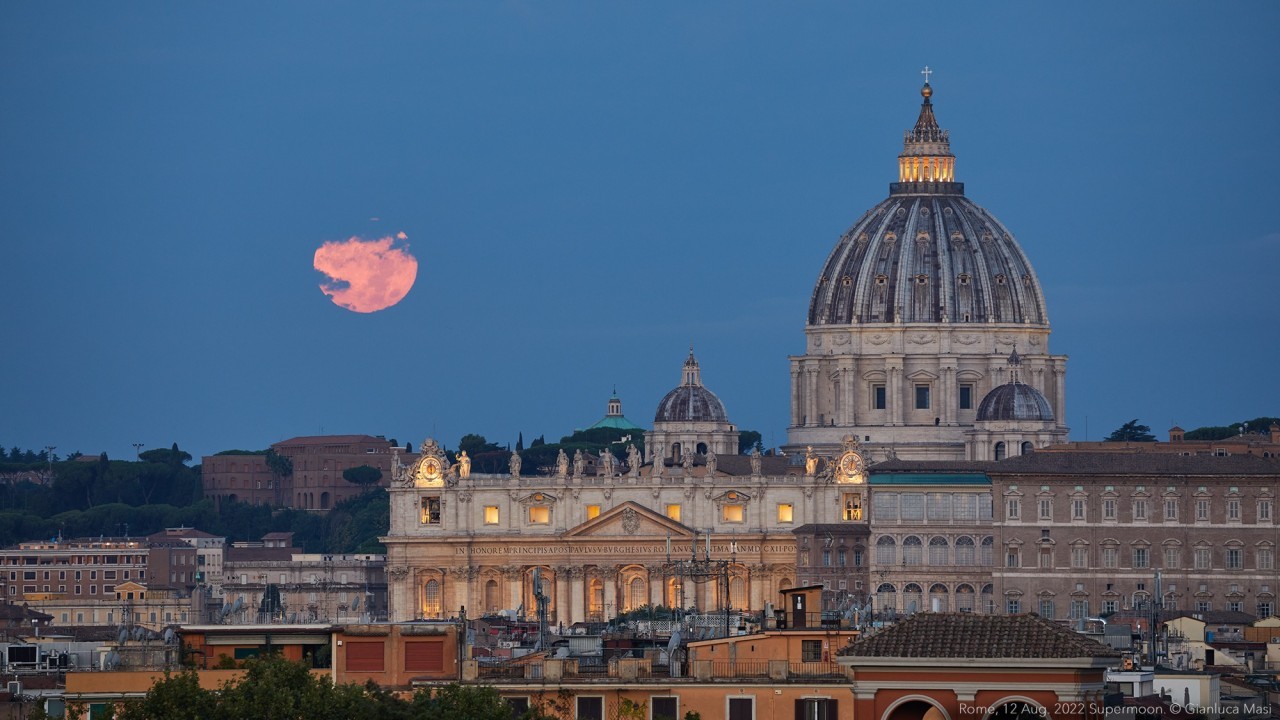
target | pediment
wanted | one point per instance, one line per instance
(630, 519)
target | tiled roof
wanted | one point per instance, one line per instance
(1214, 617)
(1112, 463)
(969, 635)
(327, 440)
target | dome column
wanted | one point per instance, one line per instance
(897, 396)
(848, 377)
(796, 389)
(949, 401)
(811, 394)
(1060, 391)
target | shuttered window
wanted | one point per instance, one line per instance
(816, 709)
(742, 708)
(424, 656)
(665, 708)
(365, 656)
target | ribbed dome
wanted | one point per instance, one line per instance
(927, 254)
(1015, 401)
(691, 401)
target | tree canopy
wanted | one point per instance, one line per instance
(1222, 432)
(1131, 432)
(365, 475)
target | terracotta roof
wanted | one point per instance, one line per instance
(968, 635)
(931, 466)
(1108, 463)
(1213, 617)
(328, 440)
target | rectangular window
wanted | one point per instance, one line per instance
(1233, 510)
(431, 510)
(851, 507)
(519, 706)
(1266, 560)
(1079, 609)
(539, 515)
(1235, 606)
(1077, 509)
(365, 656)
(1012, 558)
(732, 513)
(1013, 606)
(886, 506)
(1109, 509)
(1046, 509)
(938, 507)
(490, 514)
(1264, 609)
(1110, 557)
(1264, 511)
(1141, 557)
(1203, 606)
(1202, 509)
(1110, 606)
(1172, 557)
(879, 401)
(1139, 509)
(1235, 558)
(1170, 508)
(1046, 557)
(826, 558)
(1013, 508)
(593, 512)
(912, 506)
(966, 397)
(810, 651)
(784, 512)
(590, 708)
(1080, 556)
(742, 708)
(922, 397)
(1203, 558)
(673, 512)
(664, 707)
(424, 656)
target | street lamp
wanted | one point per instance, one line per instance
(137, 450)
(48, 449)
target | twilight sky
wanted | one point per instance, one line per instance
(590, 187)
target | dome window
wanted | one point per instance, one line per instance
(922, 279)
(890, 238)
(862, 239)
(882, 279)
(1000, 279)
(924, 212)
(957, 237)
(922, 237)
(946, 211)
(986, 237)
(964, 278)
(846, 281)
(902, 212)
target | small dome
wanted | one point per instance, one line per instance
(1015, 401)
(691, 401)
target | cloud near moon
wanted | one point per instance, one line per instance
(366, 276)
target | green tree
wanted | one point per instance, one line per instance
(461, 702)
(362, 475)
(748, 439)
(278, 464)
(1131, 432)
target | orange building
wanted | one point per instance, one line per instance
(947, 666)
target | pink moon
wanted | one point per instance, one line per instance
(366, 276)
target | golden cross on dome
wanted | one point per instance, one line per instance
(926, 72)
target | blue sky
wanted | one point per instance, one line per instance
(588, 189)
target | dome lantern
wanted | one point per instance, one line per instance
(926, 164)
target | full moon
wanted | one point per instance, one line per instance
(366, 276)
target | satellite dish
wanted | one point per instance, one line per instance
(293, 617)
(238, 605)
(355, 604)
(123, 635)
(139, 633)
(113, 660)
(168, 636)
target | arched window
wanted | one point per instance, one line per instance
(984, 551)
(431, 599)
(737, 593)
(938, 598)
(595, 600)
(964, 598)
(912, 551)
(911, 594)
(999, 451)
(886, 551)
(702, 448)
(324, 501)
(886, 599)
(636, 594)
(675, 451)
(491, 596)
(965, 551)
(1027, 448)
(939, 551)
(988, 600)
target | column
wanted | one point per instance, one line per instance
(894, 390)
(577, 595)
(655, 584)
(796, 389)
(1060, 392)
(950, 396)
(811, 395)
(512, 577)
(561, 601)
